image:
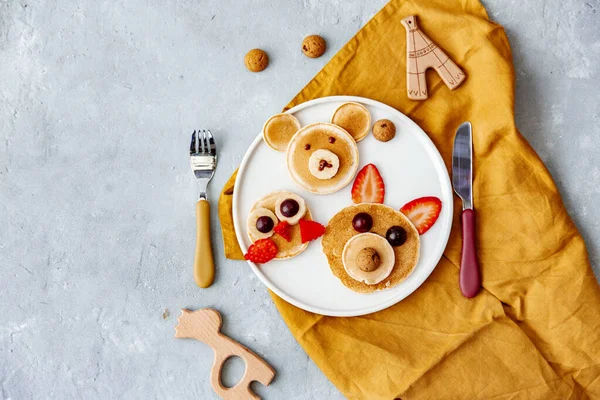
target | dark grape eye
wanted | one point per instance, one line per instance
(289, 208)
(396, 236)
(362, 222)
(264, 224)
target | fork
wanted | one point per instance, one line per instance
(203, 160)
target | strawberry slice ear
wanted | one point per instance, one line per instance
(423, 212)
(368, 186)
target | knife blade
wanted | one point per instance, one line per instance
(462, 164)
(462, 180)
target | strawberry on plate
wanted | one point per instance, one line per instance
(283, 230)
(261, 251)
(368, 186)
(310, 230)
(423, 212)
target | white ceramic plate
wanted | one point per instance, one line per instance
(411, 167)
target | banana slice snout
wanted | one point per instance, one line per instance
(323, 164)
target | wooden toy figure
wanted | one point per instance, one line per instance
(421, 54)
(205, 325)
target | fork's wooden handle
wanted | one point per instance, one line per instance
(204, 265)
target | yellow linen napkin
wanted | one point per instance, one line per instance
(534, 330)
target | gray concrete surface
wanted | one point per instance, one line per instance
(97, 200)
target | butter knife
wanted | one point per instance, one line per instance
(462, 180)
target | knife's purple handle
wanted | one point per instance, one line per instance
(470, 277)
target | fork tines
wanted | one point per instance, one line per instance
(202, 142)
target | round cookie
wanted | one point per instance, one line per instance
(316, 137)
(314, 46)
(256, 60)
(279, 129)
(384, 130)
(339, 231)
(354, 118)
(368, 259)
(285, 249)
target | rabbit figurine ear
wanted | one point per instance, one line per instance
(421, 54)
(205, 325)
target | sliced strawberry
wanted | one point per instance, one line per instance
(261, 251)
(283, 230)
(368, 186)
(423, 212)
(310, 230)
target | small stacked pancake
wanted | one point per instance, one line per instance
(279, 129)
(354, 118)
